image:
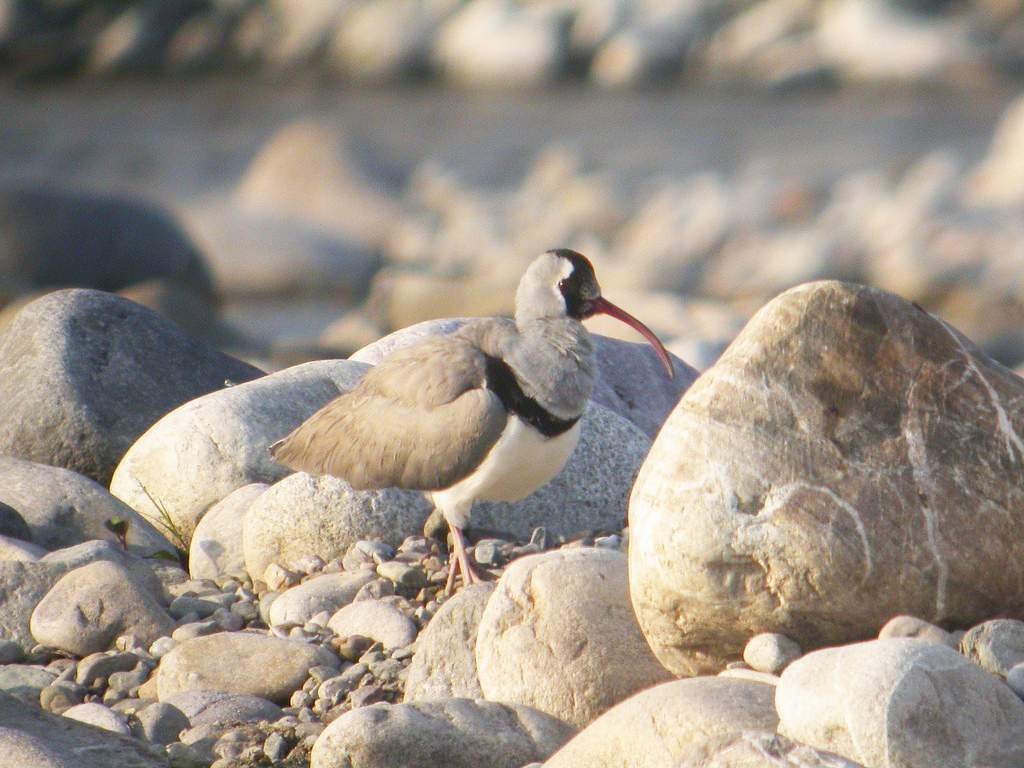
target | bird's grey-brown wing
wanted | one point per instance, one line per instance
(421, 419)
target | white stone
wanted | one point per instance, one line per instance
(216, 551)
(375, 619)
(328, 592)
(99, 716)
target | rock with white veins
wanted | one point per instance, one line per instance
(455, 733)
(559, 635)
(849, 458)
(901, 702)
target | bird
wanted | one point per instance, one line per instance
(490, 412)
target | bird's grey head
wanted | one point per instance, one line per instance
(559, 283)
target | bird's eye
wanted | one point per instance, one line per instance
(563, 284)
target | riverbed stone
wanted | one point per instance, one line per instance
(19, 549)
(215, 551)
(304, 515)
(805, 484)
(380, 621)
(31, 737)
(160, 723)
(901, 702)
(90, 606)
(86, 372)
(99, 716)
(12, 524)
(554, 634)
(22, 585)
(770, 652)
(911, 626)
(63, 508)
(221, 441)
(327, 592)
(444, 665)
(676, 723)
(25, 681)
(240, 662)
(996, 646)
(458, 733)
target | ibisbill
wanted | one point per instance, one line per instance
(490, 413)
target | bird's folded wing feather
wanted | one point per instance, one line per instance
(421, 419)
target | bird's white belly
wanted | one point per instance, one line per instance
(521, 461)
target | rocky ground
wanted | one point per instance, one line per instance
(503, 43)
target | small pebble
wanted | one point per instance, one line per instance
(771, 652)
(162, 646)
(276, 748)
(369, 694)
(195, 629)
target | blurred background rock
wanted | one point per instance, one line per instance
(292, 179)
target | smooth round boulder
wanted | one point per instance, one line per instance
(901, 702)
(25, 583)
(677, 723)
(996, 646)
(304, 515)
(559, 635)
(444, 665)
(99, 716)
(804, 486)
(63, 508)
(456, 733)
(240, 662)
(911, 626)
(221, 441)
(327, 592)
(215, 551)
(90, 606)
(84, 373)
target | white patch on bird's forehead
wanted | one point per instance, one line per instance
(565, 270)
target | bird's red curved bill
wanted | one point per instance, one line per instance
(605, 307)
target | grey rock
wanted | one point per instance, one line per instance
(402, 574)
(444, 665)
(215, 551)
(911, 626)
(328, 592)
(555, 633)
(61, 695)
(186, 604)
(276, 748)
(32, 737)
(673, 724)
(99, 716)
(99, 666)
(375, 619)
(770, 652)
(63, 508)
(239, 662)
(90, 606)
(85, 373)
(725, 516)
(22, 586)
(304, 515)
(25, 682)
(52, 238)
(193, 629)
(205, 707)
(1015, 679)
(461, 733)
(221, 441)
(150, 572)
(160, 723)
(761, 749)
(996, 645)
(900, 702)
(12, 524)
(10, 652)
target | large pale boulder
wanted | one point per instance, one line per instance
(680, 723)
(456, 733)
(83, 373)
(848, 459)
(240, 662)
(22, 585)
(559, 635)
(221, 442)
(63, 508)
(901, 702)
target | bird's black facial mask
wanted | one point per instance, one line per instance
(580, 288)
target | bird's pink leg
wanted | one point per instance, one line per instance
(461, 559)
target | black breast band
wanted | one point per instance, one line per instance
(503, 383)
